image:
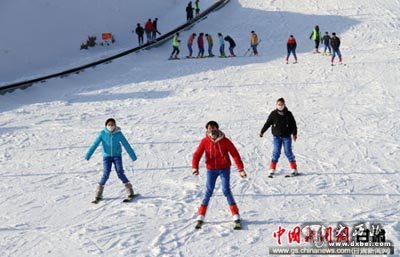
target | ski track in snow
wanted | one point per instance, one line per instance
(347, 150)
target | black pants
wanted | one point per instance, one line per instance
(175, 51)
(140, 40)
(316, 44)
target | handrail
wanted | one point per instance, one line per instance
(161, 40)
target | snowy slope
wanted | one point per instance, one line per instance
(44, 37)
(348, 146)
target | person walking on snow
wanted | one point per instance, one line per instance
(221, 45)
(197, 7)
(189, 11)
(139, 32)
(210, 45)
(254, 42)
(111, 139)
(149, 28)
(190, 44)
(291, 48)
(283, 127)
(232, 45)
(217, 148)
(175, 46)
(200, 44)
(326, 40)
(316, 37)
(335, 44)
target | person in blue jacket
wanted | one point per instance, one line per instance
(111, 139)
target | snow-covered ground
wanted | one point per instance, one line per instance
(44, 37)
(348, 146)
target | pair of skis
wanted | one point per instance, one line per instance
(126, 200)
(273, 175)
(236, 224)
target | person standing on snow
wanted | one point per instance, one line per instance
(291, 48)
(221, 45)
(316, 37)
(326, 39)
(189, 11)
(155, 30)
(175, 46)
(190, 44)
(200, 44)
(111, 139)
(217, 148)
(254, 42)
(210, 45)
(139, 32)
(149, 28)
(232, 45)
(283, 127)
(335, 44)
(197, 7)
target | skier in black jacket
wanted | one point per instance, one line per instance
(232, 45)
(335, 44)
(189, 11)
(139, 32)
(283, 127)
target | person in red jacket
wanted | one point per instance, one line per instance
(149, 28)
(200, 44)
(291, 48)
(217, 148)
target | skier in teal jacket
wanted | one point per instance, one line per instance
(111, 139)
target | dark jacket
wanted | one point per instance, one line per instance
(335, 43)
(282, 125)
(189, 11)
(139, 30)
(291, 44)
(326, 39)
(230, 41)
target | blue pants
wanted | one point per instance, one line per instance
(107, 162)
(201, 51)
(336, 51)
(212, 176)
(210, 47)
(293, 51)
(287, 145)
(327, 46)
(222, 50)
(190, 49)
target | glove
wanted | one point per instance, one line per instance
(294, 137)
(261, 135)
(195, 172)
(243, 174)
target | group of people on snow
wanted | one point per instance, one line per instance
(150, 29)
(201, 47)
(217, 148)
(331, 43)
(190, 9)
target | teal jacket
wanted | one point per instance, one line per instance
(111, 142)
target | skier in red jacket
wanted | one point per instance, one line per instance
(217, 148)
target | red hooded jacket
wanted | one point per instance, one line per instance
(217, 153)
